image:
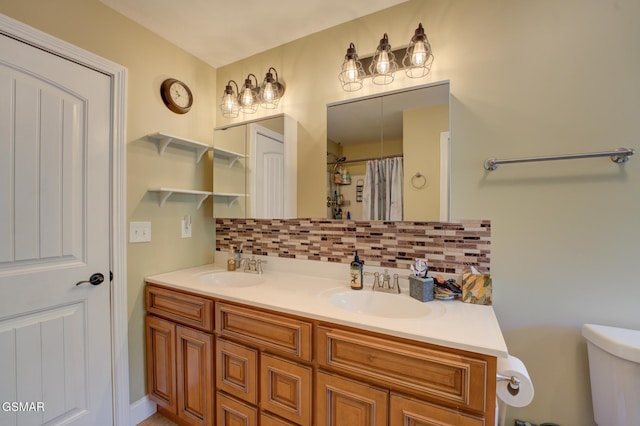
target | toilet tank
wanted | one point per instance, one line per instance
(614, 366)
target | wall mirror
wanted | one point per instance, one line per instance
(388, 156)
(255, 169)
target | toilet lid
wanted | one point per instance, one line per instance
(621, 342)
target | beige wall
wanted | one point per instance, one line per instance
(421, 146)
(527, 78)
(149, 60)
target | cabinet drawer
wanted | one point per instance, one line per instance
(408, 411)
(237, 370)
(350, 403)
(230, 412)
(432, 373)
(285, 389)
(186, 309)
(268, 331)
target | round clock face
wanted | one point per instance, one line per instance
(176, 95)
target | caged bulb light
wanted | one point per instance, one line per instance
(248, 96)
(383, 66)
(271, 90)
(229, 105)
(352, 72)
(418, 58)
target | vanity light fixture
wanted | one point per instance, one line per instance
(229, 105)
(248, 96)
(383, 66)
(352, 71)
(418, 59)
(271, 90)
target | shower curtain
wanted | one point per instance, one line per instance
(382, 192)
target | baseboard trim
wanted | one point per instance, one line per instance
(141, 410)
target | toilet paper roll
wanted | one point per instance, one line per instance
(523, 394)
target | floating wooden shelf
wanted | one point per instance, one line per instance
(165, 140)
(165, 193)
(231, 156)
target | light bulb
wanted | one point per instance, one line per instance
(268, 95)
(247, 97)
(419, 55)
(228, 102)
(350, 70)
(382, 67)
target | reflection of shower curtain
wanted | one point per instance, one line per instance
(382, 192)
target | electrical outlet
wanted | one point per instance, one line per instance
(185, 226)
(139, 232)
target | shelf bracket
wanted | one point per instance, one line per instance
(201, 200)
(233, 161)
(163, 143)
(164, 196)
(200, 152)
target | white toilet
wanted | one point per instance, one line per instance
(614, 364)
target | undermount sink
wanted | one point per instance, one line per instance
(385, 304)
(231, 279)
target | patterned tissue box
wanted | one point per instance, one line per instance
(476, 288)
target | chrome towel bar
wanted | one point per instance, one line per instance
(620, 155)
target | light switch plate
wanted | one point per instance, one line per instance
(139, 232)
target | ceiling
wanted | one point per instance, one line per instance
(220, 32)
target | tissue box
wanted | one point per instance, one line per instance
(421, 288)
(476, 288)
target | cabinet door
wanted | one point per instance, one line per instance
(194, 360)
(237, 370)
(161, 362)
(343, 402)
(230, 412)
(285, 389)
(404, 411)
(267, 419)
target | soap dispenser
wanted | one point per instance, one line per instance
(356, 273)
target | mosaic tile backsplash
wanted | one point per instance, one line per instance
(448, 246)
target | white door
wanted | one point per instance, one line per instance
(55, 351)
(267, 173)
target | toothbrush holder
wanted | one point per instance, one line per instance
(421, 288)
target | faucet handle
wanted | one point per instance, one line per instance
(396, 283)
(376, 280)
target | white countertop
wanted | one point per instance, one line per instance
(283, 287)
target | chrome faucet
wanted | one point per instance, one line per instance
(386, 285)
(253, 265)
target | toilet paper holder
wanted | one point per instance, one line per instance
(514, 382)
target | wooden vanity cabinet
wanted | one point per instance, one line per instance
(265, 368)
(179, 357)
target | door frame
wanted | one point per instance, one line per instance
(118, 75)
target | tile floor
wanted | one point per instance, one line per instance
(157, 420)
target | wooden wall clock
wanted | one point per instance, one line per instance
(176, 96)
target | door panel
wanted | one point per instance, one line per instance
(54, 232)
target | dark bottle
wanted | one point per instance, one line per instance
(356, 273)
